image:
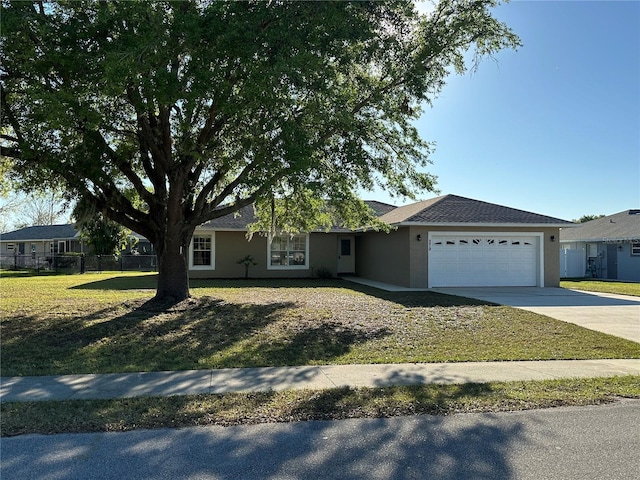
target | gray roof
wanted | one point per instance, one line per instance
(233, 221)
(41, 232)
(617, 227)
(246, 216)
(380, 207)
(456, 210)
(444, 210)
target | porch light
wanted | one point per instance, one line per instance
(419, 237)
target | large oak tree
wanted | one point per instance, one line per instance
(204, 107)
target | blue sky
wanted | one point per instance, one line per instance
(554, 127)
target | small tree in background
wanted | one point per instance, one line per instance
(105, 236)
(587, 218)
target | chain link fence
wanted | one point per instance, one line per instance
(79, 263)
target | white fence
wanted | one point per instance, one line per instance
(573, 263)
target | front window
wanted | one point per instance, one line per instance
(201, 255)
(289, 251)
(635, 248)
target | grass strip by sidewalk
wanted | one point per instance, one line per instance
(75, 416)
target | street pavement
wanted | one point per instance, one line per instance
(583, 443)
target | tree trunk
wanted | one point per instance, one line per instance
(173, 271)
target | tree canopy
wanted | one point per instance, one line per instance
(587, 218)
(203, 107)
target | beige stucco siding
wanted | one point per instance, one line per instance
(397, 257)
(231, 246)
(401, 259)
(384, 257)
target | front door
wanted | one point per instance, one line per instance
(346, 254)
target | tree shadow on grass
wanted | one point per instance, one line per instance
(197, 333)
(312, 344)
(149, 281)
(412, 299)
(124, 282)
(348, 402)
(408, 299)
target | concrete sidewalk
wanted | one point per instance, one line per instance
(97, 386)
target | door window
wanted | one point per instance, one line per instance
(345, 247)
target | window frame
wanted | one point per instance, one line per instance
(634, 248)
(211, 235)
(289, 238)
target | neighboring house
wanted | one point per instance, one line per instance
(445, 241)
(41, 240)
(56, 240)
(607, 247)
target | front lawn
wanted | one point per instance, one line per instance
(99, 323)
(603, 286)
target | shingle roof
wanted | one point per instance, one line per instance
(452, 209)
(233, 221)
(444, 210)
(41, 232)
(617, 227)
(246, 216)
(380, 207)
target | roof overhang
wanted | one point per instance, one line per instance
(484, 225)
(604, 240)
(24, 240)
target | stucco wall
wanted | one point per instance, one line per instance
(384, 257)
(398, 257)
(628, 265)
(231, 246)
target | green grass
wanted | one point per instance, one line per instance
(603, 286)
(75, 416)
(101, 323)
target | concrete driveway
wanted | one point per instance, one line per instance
(617, 315)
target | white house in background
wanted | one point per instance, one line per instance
(41, 240)
(607, 247)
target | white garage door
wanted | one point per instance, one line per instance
(509, 259)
